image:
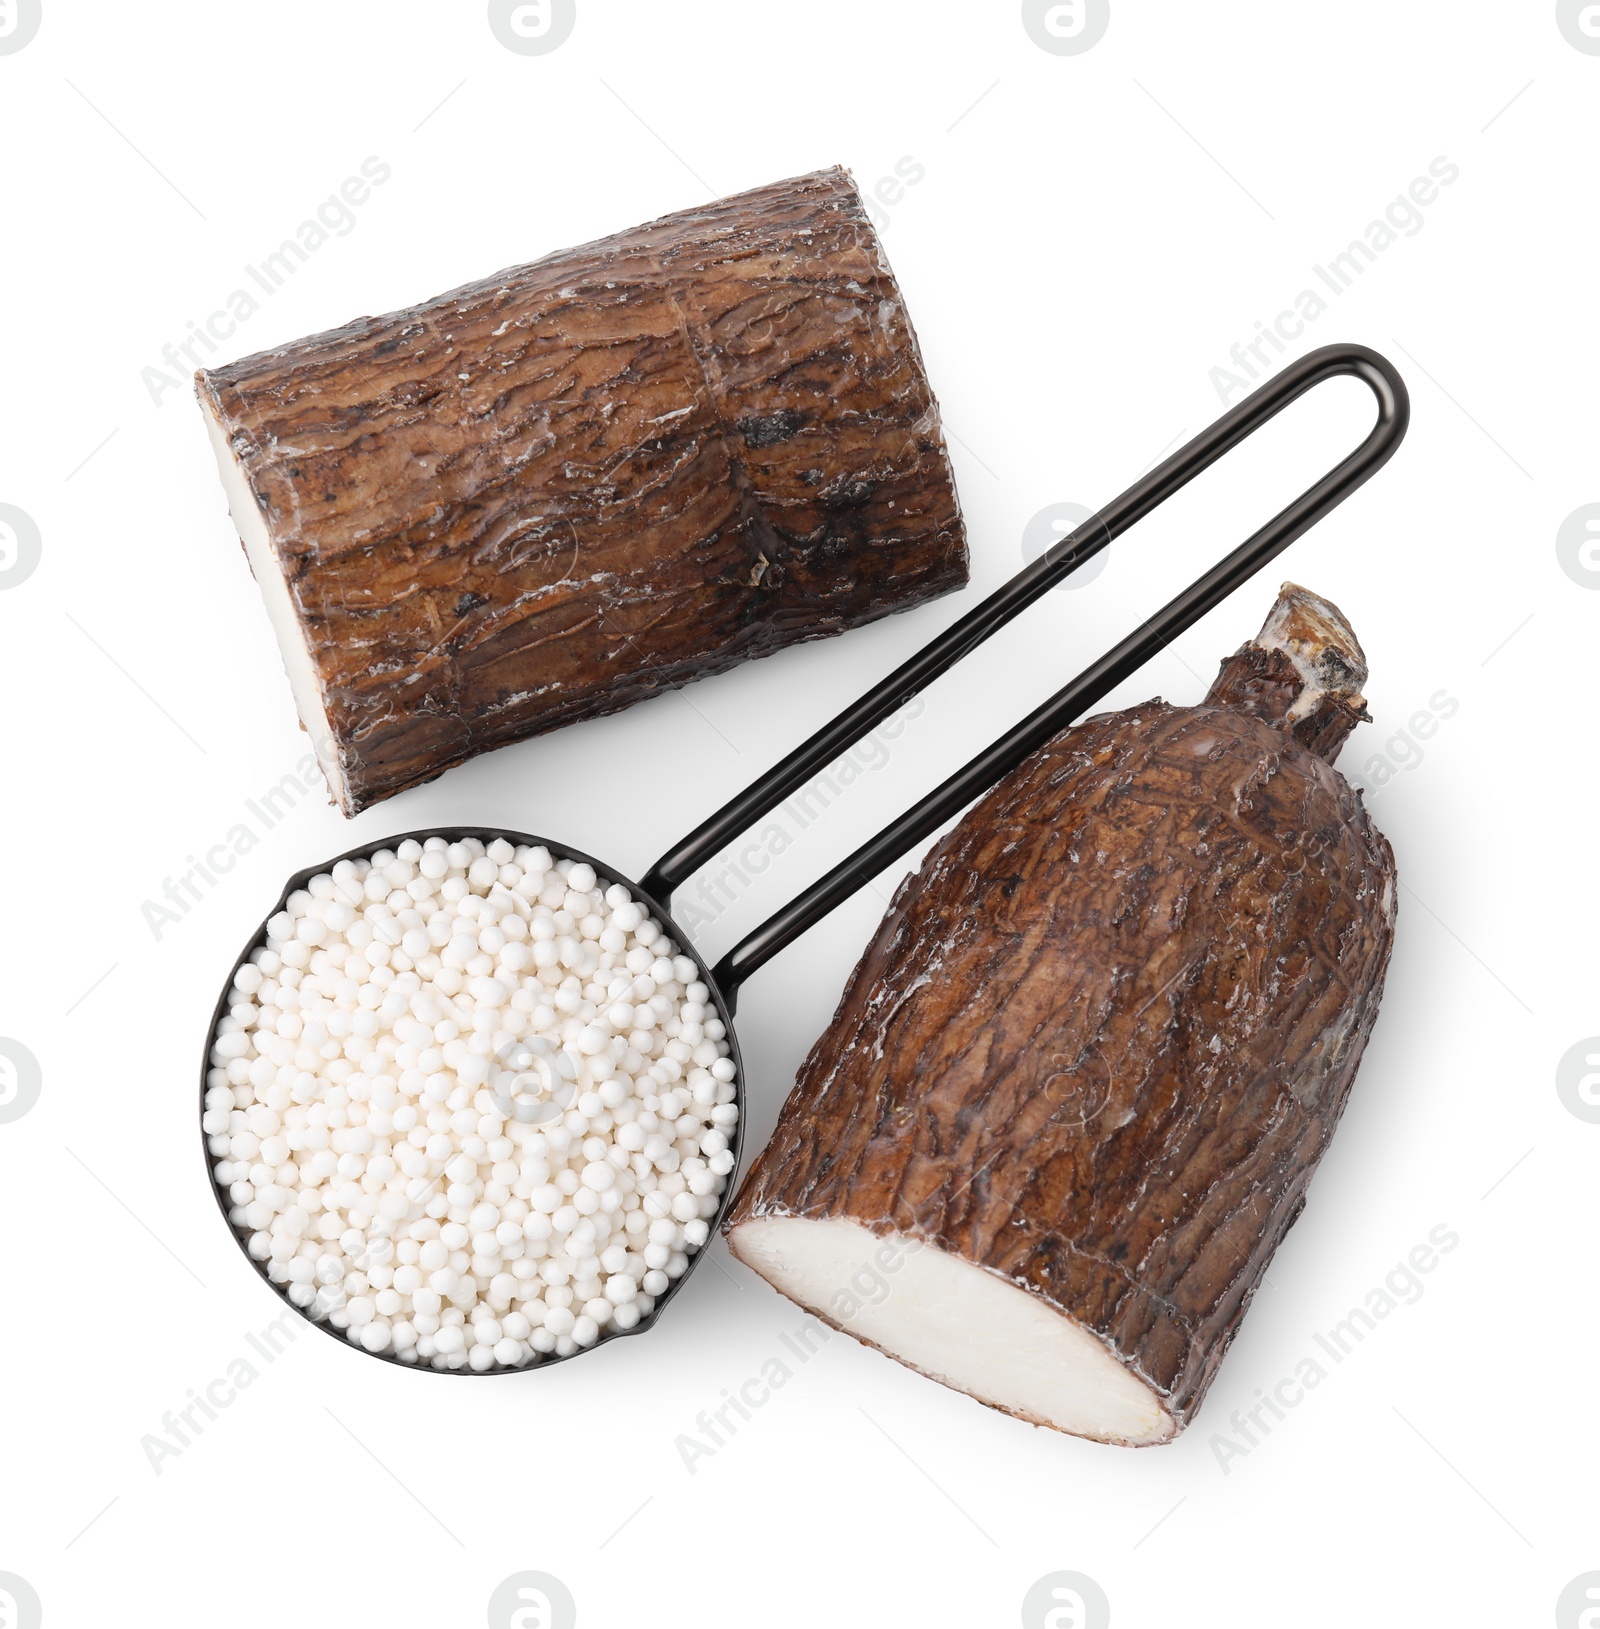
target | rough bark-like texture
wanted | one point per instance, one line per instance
(1103, 1036)
(551, 494)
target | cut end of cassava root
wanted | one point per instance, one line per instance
(273, 580)
(962, 1325)
(1303, 673)
(1316, 635)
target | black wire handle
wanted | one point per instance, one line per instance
(1095, 682)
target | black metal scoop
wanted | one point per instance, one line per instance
(923, 819)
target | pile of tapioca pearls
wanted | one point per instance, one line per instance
(401, 1161)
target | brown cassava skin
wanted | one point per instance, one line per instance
(673, 450)
(1102, 1038)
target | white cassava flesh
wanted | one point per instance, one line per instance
(962, 1325)
(286, 622)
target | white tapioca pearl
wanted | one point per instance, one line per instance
(349, 1104)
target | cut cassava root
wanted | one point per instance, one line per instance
(1097, 1049)
(553, 493)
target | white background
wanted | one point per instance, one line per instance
(1091, 236)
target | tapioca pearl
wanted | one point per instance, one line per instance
(336, 989)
